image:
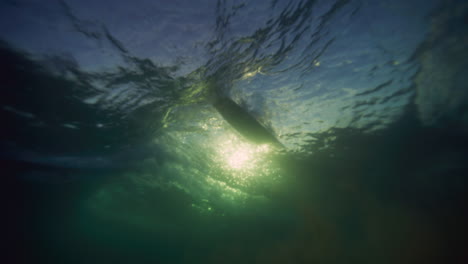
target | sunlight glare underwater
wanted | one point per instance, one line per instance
(243, 160)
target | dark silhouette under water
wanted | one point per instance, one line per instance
(243, 122)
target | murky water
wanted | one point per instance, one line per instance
(234, 132)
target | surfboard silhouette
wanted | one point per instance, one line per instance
(243, 122)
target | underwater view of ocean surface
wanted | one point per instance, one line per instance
(229, 131)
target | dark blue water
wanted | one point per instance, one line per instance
(234, 132)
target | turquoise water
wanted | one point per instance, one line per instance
(234, 132)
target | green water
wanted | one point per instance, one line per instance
(262, 132)
(388, 198)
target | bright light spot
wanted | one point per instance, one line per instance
(236, 154)
(240, 158)
(249, 74)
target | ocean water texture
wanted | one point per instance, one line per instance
(112, 130)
